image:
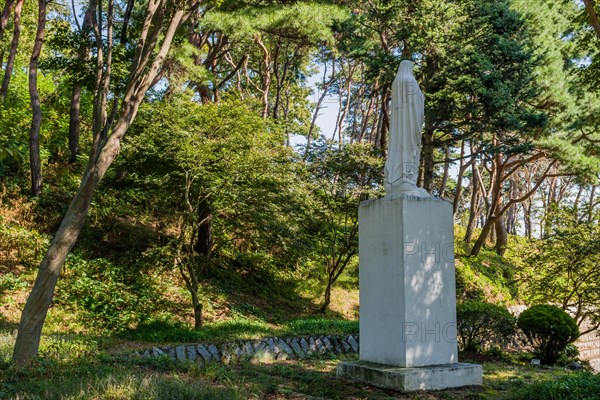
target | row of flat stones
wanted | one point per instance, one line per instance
(265, 350)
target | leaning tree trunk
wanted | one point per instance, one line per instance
(14, 44)
(492, 218)
(36, 107)
(34, 313)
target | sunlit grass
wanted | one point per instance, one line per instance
(73, 368)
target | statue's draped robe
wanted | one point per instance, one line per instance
(408, 109)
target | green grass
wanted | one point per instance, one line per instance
(161, 331)
(487, 276)
(583, 386)
(79, 371)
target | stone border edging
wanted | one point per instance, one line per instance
(265, 350)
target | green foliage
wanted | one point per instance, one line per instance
(15, 121)
(570, 354)
(219, 172)
(581, 386)
(109, 298)
(307, 22)
(487, 276)
(549, 330)
(480, 323)
(565, 267)
(313, 325)
(165, 330)
(21, 246)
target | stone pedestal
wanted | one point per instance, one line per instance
(408, 297)
(412, 379)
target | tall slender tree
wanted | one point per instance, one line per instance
(36, 106)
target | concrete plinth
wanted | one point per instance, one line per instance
(407, 282)
(408, 297)
(412, 379)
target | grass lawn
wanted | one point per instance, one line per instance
(80, 370)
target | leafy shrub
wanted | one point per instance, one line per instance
(581, 386)
(109, 297)
(569, 354)
(549, 330)
(479, 322)
(310, 326)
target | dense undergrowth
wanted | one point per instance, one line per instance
(118, 281)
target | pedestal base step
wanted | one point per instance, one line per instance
(435, 377)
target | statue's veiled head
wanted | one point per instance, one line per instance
(405, 72)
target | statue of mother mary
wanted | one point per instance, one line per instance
(404, 146)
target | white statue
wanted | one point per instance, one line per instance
(404, 144)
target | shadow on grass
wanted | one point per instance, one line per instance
(317, 379)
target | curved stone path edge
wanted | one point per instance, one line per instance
(258, 350)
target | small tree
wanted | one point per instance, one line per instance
(344, 176)
(221, 171)
(549, 330)
(480, 322)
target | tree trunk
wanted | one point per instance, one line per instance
(592, 16)
(74, 123)
(385, 118)
(428, 161)
(445, 174)
(527, 220)
(204, 238)
(266, 76)
(474, 206)
(327, 296)
(511, 217)
(485, 232)
(322, 95)
(590, 210)
(4, 17)
(459, 181)
(549, 206)
(197, 310)
(36, 107)
(501, 237)
(10, 63)
(75, 110)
